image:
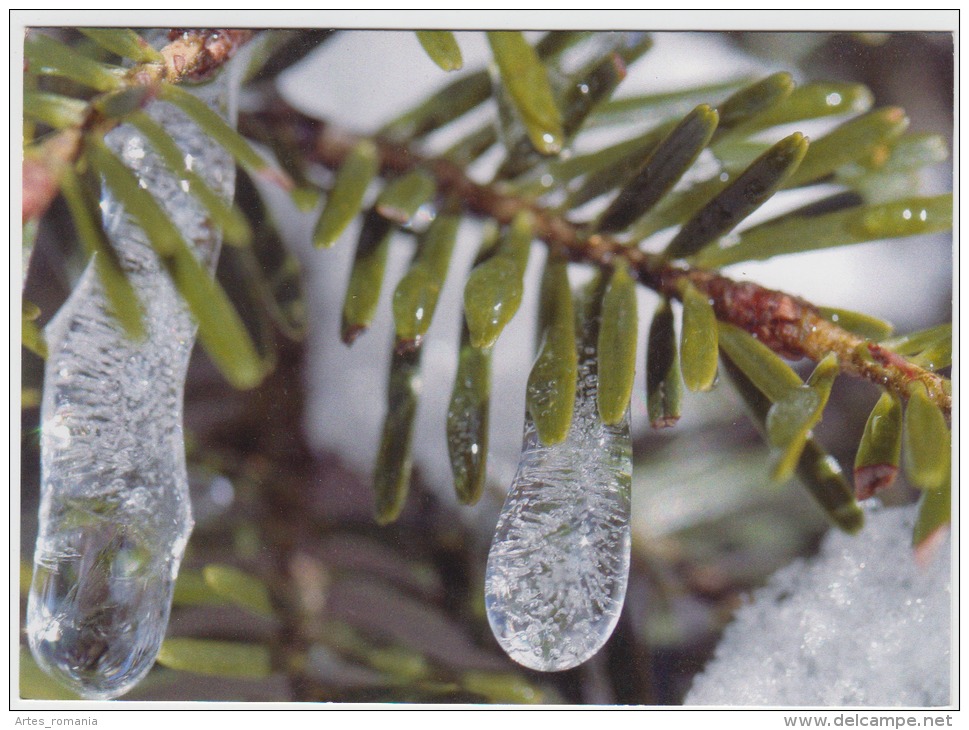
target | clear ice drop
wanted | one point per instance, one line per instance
(114, 506)
(559, 563)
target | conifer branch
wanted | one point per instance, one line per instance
(789, 325)
(192, 55)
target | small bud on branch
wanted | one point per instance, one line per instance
(191, 56)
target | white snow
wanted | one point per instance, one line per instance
(860, 624)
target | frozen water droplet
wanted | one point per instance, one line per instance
(558, 566)
(114, 512)
(100, 601)
(422, 218)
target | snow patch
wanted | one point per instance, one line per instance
(862, 623)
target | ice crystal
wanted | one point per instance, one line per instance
(558, 566)
(114, 512)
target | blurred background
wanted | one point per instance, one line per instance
(281, 475)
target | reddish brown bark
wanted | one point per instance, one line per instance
(872, 478)
(42, 170)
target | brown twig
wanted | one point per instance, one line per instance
(789, 325)
(196, 53)
(43, 167)
(191, 56)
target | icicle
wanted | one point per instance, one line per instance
(114, 512)
(558, 566)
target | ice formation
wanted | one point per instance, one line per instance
(863, 624)
(114, 511)
(558, 567)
